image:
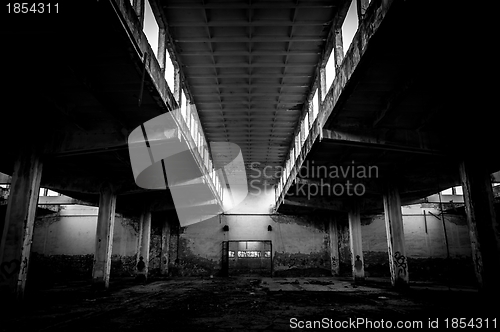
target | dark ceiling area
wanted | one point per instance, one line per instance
(249, 67)
(75, 80)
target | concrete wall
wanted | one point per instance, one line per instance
(64, 243)
(299, 243)
(425, 244)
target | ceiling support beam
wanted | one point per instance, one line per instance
(232, 23)
(249, 76)
(256, 85)
(62, 200)
(255, 39)
(366, 30)
(258, 5)
(249, 65)
(87, 142)
(376, 141)
(318, 203)
(247, 52)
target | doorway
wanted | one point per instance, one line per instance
(248, 258)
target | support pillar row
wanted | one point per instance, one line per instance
(484, 229)
(17, 230)
(357, 261)
(144, 242)
(165, 245)
(334, 247)
(104, 238)
(395, 238)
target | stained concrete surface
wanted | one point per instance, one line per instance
(236, 304)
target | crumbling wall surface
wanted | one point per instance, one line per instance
(435, 251)
(46, 270)
(125, 241)
(196, 250)
(301, 246)
(64, 243)
(155, 249)
(344, 247)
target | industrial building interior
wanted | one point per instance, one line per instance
(253, 165)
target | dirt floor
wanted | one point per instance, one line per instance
(244, 304)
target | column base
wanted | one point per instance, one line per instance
(358, 280)
(99, 285)
(401, 285)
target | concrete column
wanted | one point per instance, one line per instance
(165, 245)
(17, 230)
(395, 238)
(338, 49)
(334, 247)
(357, 261)
(104, 238)
(162, 49)
(362, 5)
(139, 6)
(484, 229)
(144, 240)
(321, 84)
(177, 86)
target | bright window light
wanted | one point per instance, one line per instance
(53, 193)
(183, 104)
(349, 26)
(329, 72)
(151, 29)
(315, 105)
(169, 72)
(447, 192)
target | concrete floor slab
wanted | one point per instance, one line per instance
(236, 304)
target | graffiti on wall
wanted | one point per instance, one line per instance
(9, 269)
(401, 265)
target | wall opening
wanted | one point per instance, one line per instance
(329, 72)
(170, 72)
(349, 26)
(151, 28)
(183, 105)
(248, 258)
(315, 107)
(48, 192)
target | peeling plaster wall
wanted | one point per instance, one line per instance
(300, 244)
(63, 245)
(296, 244)
(425, 245)
(345, 247)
